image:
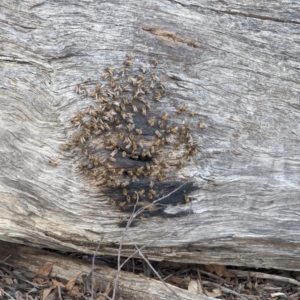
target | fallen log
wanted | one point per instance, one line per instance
(225, 76)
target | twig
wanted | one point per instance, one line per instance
(93, 268)
(211, 275)
(133, 215)
(7, 294)
(151, 267)
(226, 290)
(6, 258)
(120, 249)
(265, 276)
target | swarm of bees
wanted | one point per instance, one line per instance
(129, 150)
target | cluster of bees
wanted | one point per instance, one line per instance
(129, 146)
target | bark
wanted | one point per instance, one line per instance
(236, 66)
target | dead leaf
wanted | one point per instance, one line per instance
(72, 282)
(195, 287)
(216, 292)
(175, 280)
(75, 292)
(57, 283)
(46, 269)
(53, 295)
(38, 280)
(217, 269)
(46, 292)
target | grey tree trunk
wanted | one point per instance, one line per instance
(226, 76)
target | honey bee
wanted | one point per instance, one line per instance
(125, 192)
(154, 62)
(94, 173)
(139, 171)
(109, 70)
(181, 109)
(152, 192)
(160, 177)
(118, 127)
(130, 56)
(130, 127)
(122, 204)
(82, 140)
(151, 122)
(164, 165)
(186, 199)
(81, 167)
(151, 184)
(85, 91)
(130, 173)
(114, 152)
(128, 62)
(139, 131)
(134, 178)
(128, 199)
(112, 202)
(161, 86)
(158, 133)
(106, 75)
(112, 83)
(134, 108)
(106, 126)
(157, 96)
(150, 196)
(174, 130)
(65, 147)
(125, 88)
(141, 99)
(154, 77)
(79, 114)
(168, 140)
(77, 88)
(139, 82)
(144, 111)
(201, 125)
(190, 139)
(124, 153)
(165, 117)
(157, 143)
(179, 164)
(123, 115)
(147, 166)
(146, 105)
(143, 69)
(112, 159)
(112, 143)
(141, 192)
(161, 124)
(120, 172)
(52, 162)
(155, 161)
(122, 71)
(146, 90)
(145, 153)
(116, 95)
(192, 113)
(125, 183)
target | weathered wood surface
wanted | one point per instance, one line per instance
(242, 82)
